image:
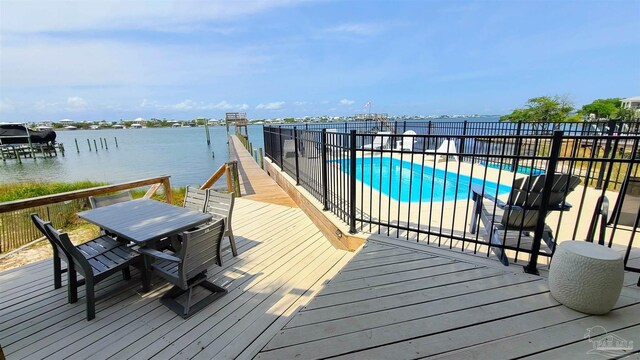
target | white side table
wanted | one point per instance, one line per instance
(586, 277)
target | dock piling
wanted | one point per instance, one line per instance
(206, 130)
(261, 158)
(106, 146)
(116, 141)
(95, 145)
(89, 143)
(17, 153)
(77, 147)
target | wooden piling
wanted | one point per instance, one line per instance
(77, 147)
(2, 154)
(89, 143)
(101, 144)
(106, 146)
(95, 144)
(61, 147)
(17, 153)
(206, 130)
(261, 158)
(116, 141)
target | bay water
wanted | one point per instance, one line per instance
(181, 153)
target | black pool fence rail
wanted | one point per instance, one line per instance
(411, 186)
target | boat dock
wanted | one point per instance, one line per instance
(293, 295)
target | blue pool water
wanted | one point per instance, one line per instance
(400, 181)
(521, 169)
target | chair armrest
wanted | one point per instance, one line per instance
(477, 190)
(158, 254)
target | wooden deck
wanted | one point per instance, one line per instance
(399, 300)
(292, 295)
(283, 261)
(255, 184)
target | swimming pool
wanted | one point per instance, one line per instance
(521, 169)
(400, 181)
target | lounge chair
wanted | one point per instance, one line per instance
(221, 207)
(380, 141)
(406, 142)
(510, 223)
(187, 268)
(447, 148)
(95, 260)
(289, 148)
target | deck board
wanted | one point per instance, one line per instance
(255, 183)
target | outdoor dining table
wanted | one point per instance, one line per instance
(144, 221)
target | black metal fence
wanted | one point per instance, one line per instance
(458, 189)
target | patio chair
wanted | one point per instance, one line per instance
(101, 201)
(95, 260)
(406, 142)
(510, 223)
(221, 207)
(446, 149)
(380, 141)
(194, 199)
(187, 268)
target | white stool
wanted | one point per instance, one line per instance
(586, 277)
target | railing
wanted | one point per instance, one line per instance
(403, 186)
(17, 230)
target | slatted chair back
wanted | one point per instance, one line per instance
(101, 201)
(200, 250)
(81, 264)
(58, 250)
(526, 196)
(194, 199)
(220, 206)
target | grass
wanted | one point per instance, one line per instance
(17, 191)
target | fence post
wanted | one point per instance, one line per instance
(352, 182)
(295, 151)
(518, 145)
(464, 133)
(280, 148)
(323, 149)
(556, 144)
(611, 124)
(166, 184)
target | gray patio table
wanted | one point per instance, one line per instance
(144, 221)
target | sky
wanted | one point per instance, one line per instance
(112, 60)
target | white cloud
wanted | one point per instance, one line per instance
(301, 103)
(6, 105)
(76, 102)
(346, 102)
(356, 29)
(224, 105)
(271, 106)
(171, 15)
(115, 63)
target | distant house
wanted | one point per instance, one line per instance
(66, 122)
(631, 103)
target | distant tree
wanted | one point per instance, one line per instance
(289, 120)
(545, 110)
(602, 108)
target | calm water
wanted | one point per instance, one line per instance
(181, 153)
(400, 180)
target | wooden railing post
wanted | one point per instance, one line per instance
(166, 183)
